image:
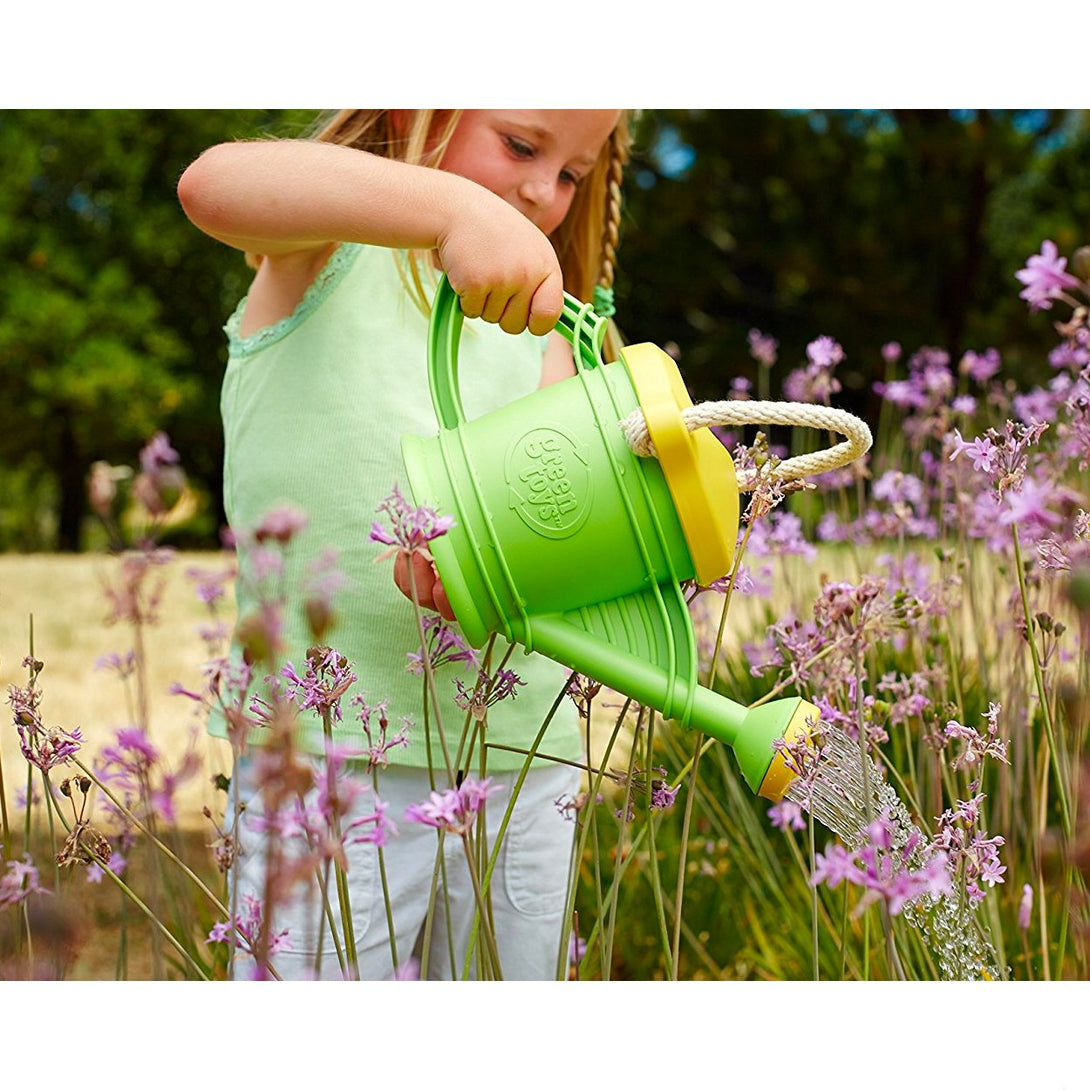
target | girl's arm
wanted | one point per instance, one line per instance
(289, 200)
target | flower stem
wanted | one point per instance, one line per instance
(1038, 675)
(340, 877)
(385, 884)
(125, 888)
(813, 896)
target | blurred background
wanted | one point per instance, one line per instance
(867, 226)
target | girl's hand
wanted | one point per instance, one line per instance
(502, 267)
(429, 588)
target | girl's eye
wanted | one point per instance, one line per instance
(518, 147)
(568, 178)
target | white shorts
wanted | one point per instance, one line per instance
(528, 889)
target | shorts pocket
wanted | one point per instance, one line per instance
(538, 844)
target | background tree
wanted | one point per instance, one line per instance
(111, 306)
(868, 226)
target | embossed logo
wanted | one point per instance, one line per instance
(548, 474)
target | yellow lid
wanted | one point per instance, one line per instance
(779, 776)
(698, 468)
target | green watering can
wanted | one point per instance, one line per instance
(567, 542)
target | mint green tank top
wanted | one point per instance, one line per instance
(314, 408)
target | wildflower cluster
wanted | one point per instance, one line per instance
(327, 677)
(883, 872)
(379, 742)
(244, 930)
(455, 809)
(488, 690)
(44, 747)
(815, 382)
(658, 793)
(978, 746)
(19, 881)
(442, 644)
(972, 853)
(409, 528)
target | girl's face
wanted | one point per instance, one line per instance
(533, 159)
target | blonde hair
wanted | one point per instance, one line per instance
(585, 243)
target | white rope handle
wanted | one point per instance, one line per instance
(789, 413)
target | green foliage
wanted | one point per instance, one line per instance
(110, 302)
(868, 226)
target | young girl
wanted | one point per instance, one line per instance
(326, 373)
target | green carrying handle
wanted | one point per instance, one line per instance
(582, 328)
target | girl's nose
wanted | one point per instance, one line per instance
(538, 189)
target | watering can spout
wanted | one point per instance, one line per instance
(568, 543)
(581, 643)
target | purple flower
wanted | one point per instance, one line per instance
(762, 347)
(978, 746)
(662, 794)
(489, 690)
(442, 645)
(211, 585)
(377, 748)
(824, 352)
(1028, 506)
(455, 808)
(123, 665)
(891, 352)
(1025, 907)
(116, 865)
(161, 480)
(20, 881)
(44, 747)
(834, 866)
(786, 815)
(577, 949)
(280, 524)
(327, 678)
(410, 528)
(896, 487)
(157, 453)
(408, 970)
(980, 367)
(1037, 404)
(245, 931)
(1045, 277)
(882, 872)
(981, 451)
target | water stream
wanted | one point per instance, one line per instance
(948, 924)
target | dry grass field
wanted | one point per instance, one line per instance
(65, 597)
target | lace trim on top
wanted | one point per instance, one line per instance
(327, 279)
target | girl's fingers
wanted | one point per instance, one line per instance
(429, 588)
(495, 304)
(546, 305)
(442, 603)
(473, 302)
(516, 315)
